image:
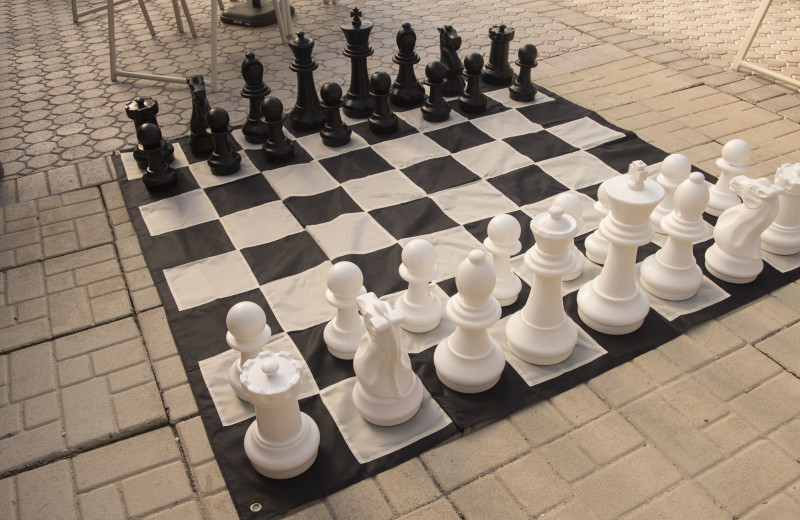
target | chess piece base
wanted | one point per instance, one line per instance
(342, 344)
(435, 114)
(614, 316)
(358, 107)
(473, 105)
(336, 136)
(468, 375)
(255, 132)
(732, 269)
(282, 461)
(280, 153)
(162, 182)
(249, 15)
(521, 93)
(541, 345)
(201, 145)
(580, 261)
(225, 165)
(596, 248)
(420, 318)
(507, 290)
(389, 412)
(383, 125)
(781, 240)
(670, 283)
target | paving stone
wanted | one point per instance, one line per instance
(104, 503)
(62, 179)
(770, 404)
(186, 511)
(93, 230)
(693, 402)
(782, 348)
(607, 437)
(731, 433)
(179, 403)
(87, 412)
(749, 366)
(139, 408)
(32, 372)
(46, 492)
(118, 356)
(10, 420)
(169, 372)
(408, 486)
(194, 441)
(567, 458)
(155, 489)
(156, 333)
(779, 508)
(93, 172)
(207, 478)
(360, 501)
(95, 339)
(219, 506)
(31, 446)
(69, 311)
(788, 438)
(41, 410)
(621, 384)
(686, 353)
(751, 323)
(8, 499)
(533, 484)
(24, 283)
(439, 510)
(130, 377)
(579, 405)
(687, 500)
(484, 498)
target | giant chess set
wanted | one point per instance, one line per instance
(349, 290)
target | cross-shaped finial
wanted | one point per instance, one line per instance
(356, 14)
(638, 172)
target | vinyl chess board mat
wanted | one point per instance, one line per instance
(270, 233)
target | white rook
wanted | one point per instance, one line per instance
(782, 237)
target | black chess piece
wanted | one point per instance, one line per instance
(224, 160)
(357, 101)
(307, 114)
(144, 110)
(406, 90)
(200, 141)
(523, 88)
(255, 90)
(435, 109)
(382, 121)
(498, 71)
(277, 147)
(473, 100)
(159, 176)
(449, 43)
(335, 132)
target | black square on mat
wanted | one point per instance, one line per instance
(418, 217)
(241, 194)
(301, 156)
(620, 153)
(540, 146)
(287, 256)
(554, 112)
(355, 165)
(439, 174)
(363, 129)
(326, 369)
(136, 193)
(459, 137)
(479, 228)
(185, 245)
(322, 207)
(527, 185)
(380, 269)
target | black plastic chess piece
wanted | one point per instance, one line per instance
(277, 147)
(523, 88)
(449, 43)
(382, 121)
(435, 109)
(200, 141)
(254, 130)
(159, 176)
(224, 160)
(335, 132)
(307, 114)
(406, 90)
(498, 71)
(144, 110)
(473, 100)
(357, 101)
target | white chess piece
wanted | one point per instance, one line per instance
(283, 441)
(343, 333)
(735, 256)
(782, 237)
(674, 170)
(421, 309)
(248, 333)
(541, 332)
(613, 303)
(502, 242)
(469, 360)
(672, 273)
(387, 391)
(596, 244)
(571, 204)
(735, 155)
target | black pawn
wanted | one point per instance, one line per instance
(200, 141)
(144, 110)
(435, 109)
(357, 101)
(406, 90)
(473, 100)
(383, 120)
(307, 114)
(523, 88)
(224, 160)
(498, 71)
(335, 132)
(277, 147)
(159, 176)
(254, 130)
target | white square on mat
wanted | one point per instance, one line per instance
(506, 124)
(209, 279)
(408, 150)
(178, 212)
(415, 119)
(260, 225)
(452, 246)
(492, 159)
(300, 180)
(473, 201)
(350, 233)
(502, 95)
(318, 150)
(577, 170)
(132, 170)
(298, 301)
(383, 189)
(584, 133)
(783, 263)
(201, 172)
(708, 294)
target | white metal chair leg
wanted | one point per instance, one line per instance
(177, 10)
(189, 19)
(280, 20)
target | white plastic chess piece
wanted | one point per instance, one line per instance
(735, 155)
(613, 303)
(248, 333)
(421, 309)
(571, 204)
(541, 332)
(469, 360)
(674, 170)
(596, 244)
(735, 256)
(283, 441)
(387, 391)
(343, 333)
(782, 237)
(672, 273)
(502, 242)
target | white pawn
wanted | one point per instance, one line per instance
(343, 333)
(733, 163)
(735, 256)
(541, 332)
(421, 309)
(597, 244)
(283, 441)
(502, 242)
(248, 333)
(672, 273)
(469, 360)
(674, 170)
(571, 204)
(387, 391)
(782, 237)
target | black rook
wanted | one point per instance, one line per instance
(144, 110)
(498, 71)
